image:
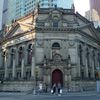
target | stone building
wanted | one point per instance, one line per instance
(49, 45)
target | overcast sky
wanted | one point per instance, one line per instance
(81, 6)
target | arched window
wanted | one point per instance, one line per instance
(55, 49)
(20, 54)
(29, 57)
(56, 45)
(12, 57)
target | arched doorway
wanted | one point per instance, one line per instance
(57, 77)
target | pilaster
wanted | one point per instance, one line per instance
(6, 68)
(33, 63)
(14, 69)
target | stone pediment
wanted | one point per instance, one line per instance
(88, 30)
(20, 28)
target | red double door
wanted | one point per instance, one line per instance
(57, 77)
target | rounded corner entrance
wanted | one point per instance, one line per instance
(57, 77)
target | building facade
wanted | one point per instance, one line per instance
(50, 45)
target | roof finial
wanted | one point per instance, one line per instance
(55, 6)
(37, 4)
(73, 7)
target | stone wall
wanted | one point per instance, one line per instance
(83, 86)
(28, 86)
(17, 86)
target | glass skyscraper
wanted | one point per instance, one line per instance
(3, 13)
(19, 8)
(65, 3)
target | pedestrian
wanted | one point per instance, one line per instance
(54, 88)
(59, 88)
(40, 87)
(45, 87)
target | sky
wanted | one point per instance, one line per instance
(81, 6)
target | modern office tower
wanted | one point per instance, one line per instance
(65, 3)
(19, 8)
(94, 13)
(4, 16)
(3, 13)
(11, 11)
(48, 3)
(95, 10)
(1, 10)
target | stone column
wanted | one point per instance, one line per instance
(25, 56)
(0, 59)
(78, 61)
(86, 65)
(96, 59)
(9, 59)
(92, 72)
(33, 63)
(22, 68)
(14, 69)
(16, 58)
(6, 69)
(22, 64)
(33, 67)
(92, 63)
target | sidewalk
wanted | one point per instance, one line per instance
(11, 93)
(84, 93)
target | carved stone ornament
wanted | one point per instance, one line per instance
(71, 43)
(57, 57)
(39, 42)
